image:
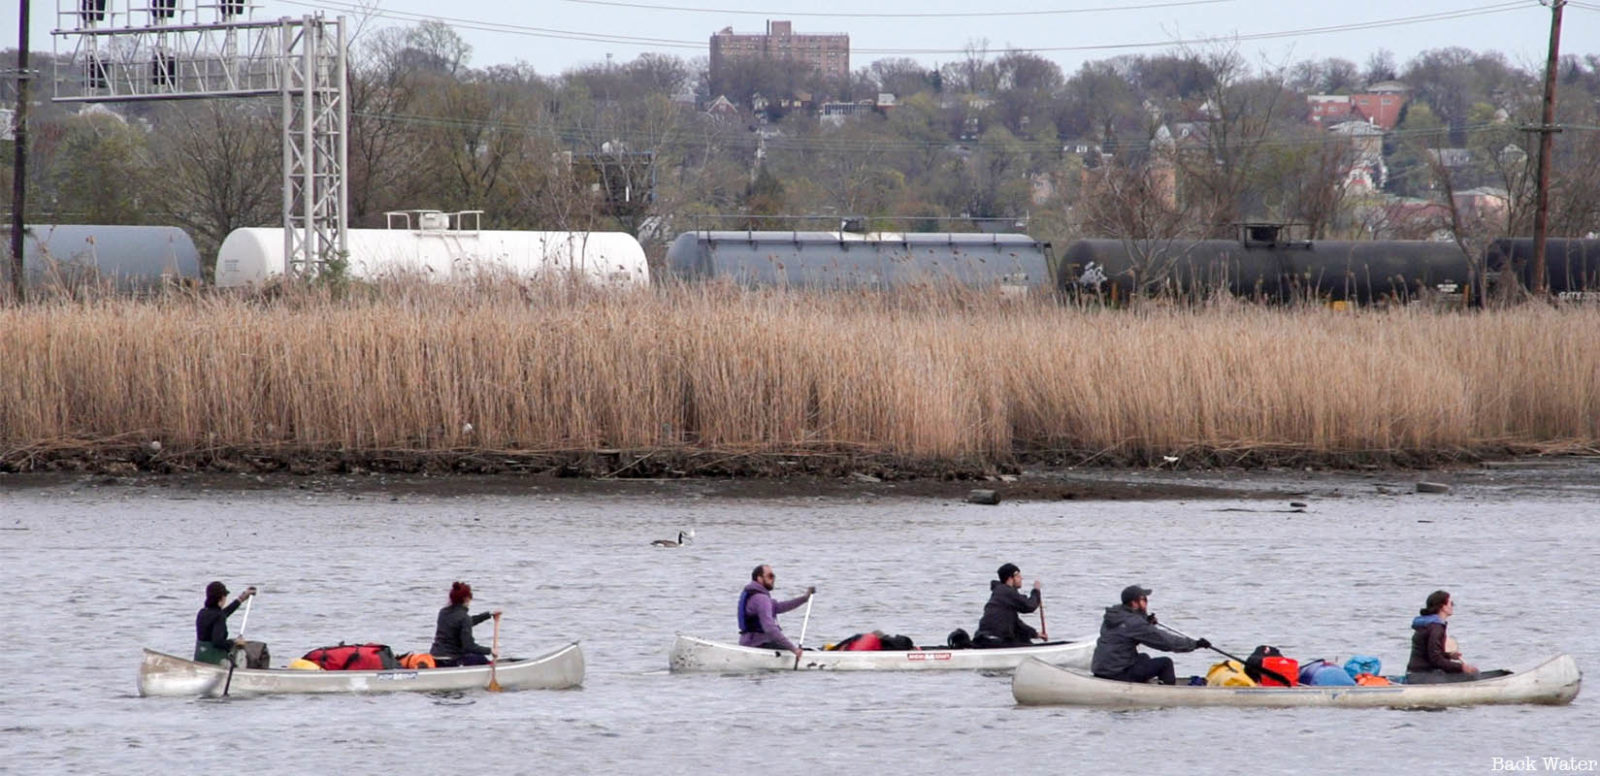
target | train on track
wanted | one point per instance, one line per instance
(1260, 265)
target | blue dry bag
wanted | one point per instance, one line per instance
(1363, 664)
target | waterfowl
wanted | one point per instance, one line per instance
(683, 538)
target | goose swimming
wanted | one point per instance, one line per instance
(683, 538)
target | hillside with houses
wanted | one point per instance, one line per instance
(1185, 143)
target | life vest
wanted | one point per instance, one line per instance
(748, 623)
(354, 657)
(1369, 680)
(417, 660)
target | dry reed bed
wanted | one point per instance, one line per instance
(911, 378)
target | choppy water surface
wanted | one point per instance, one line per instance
(90, 574)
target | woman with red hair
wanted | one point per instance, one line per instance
(452, 639)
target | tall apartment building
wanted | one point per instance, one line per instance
(828, 54)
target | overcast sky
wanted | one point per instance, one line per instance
(555, 35)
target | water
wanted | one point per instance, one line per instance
(92, 573)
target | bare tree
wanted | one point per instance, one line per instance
(221, 169)
(383, 157)
(1217, 170)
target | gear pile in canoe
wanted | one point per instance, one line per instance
(169, 675)
(1555, 681)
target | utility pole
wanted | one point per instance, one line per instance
(19, 181)
(1547, 129)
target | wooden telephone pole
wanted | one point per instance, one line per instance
(1547, 129)
(19, 179)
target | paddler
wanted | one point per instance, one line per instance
(453, 644)
(758, 613)
(211, 642)
(1434, 659)
(1002, 625)
(1123, 629)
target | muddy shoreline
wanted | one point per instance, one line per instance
(1259, 478)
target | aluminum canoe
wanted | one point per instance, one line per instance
(167, 675)
(692, 654)
(1553, 682)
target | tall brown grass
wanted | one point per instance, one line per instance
(924, 377)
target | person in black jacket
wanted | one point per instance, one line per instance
(211, 642)
(452, 638)
(1001, 626)
(1124, 628)
(1432, 659)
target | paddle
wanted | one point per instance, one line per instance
(806, 623)
(242, 626)
(1044, 630)
(1269, 672)
(494, 682)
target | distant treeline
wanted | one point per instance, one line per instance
(1178, 144)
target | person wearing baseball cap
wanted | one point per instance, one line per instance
(1124, 628)
(211, 642)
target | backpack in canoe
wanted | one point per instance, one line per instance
(354, 657)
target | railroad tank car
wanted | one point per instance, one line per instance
(1012, 262)
(127, 257)
(1273, 270)
(255, 255)
(1572, 266)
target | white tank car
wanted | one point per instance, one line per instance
(253, 256)
(125, 256)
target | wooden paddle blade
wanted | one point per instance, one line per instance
(494, 682)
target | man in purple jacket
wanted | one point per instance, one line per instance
(758, 613)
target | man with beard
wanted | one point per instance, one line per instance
(758, 613)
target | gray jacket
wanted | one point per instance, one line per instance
(453, 636)
(1000, 620)
(1121, 632)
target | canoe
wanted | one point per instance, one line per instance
(167, 675)
(1552, 682)
(692, 654)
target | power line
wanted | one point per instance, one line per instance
(482, 26)
(1325, 30)
(901, 15)
(544, 32)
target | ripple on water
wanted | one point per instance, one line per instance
(108, 570)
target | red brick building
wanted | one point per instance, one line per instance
(828, 54)
(1379, 106)
(1329, 109)
(1381, 110)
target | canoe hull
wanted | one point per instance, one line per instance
(1554, 682)
(169, 676)
(696, 655)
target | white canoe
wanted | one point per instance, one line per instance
(691, 654)
(1554, 681)
(165, 675)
